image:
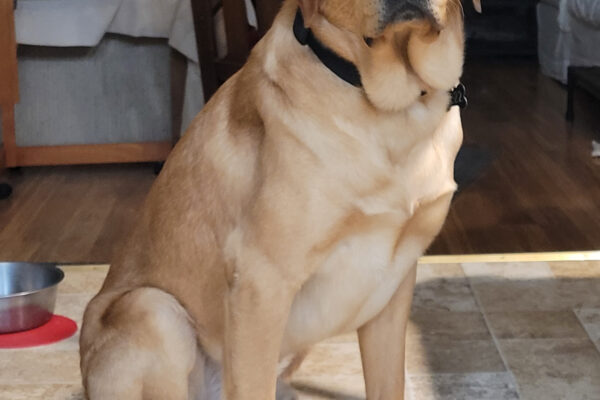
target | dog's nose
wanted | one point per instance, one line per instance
(409, 10)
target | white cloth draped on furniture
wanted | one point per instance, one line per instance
(568, 34)
(97, 71)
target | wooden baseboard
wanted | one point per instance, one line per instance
(93, 154)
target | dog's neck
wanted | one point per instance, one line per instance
(345, 69)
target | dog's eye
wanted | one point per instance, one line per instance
(423, 93)
(368, 41)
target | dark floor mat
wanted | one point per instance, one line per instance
(471, 163)
(5, 190)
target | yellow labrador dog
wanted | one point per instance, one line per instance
(294, 209)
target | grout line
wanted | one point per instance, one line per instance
(547, 339)
(84, 268)
(41, 383)
(450, 374)
(512, 257)
(596, 345)
(492, 334)
(80, 294)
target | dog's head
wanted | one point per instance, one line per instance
(402, 48)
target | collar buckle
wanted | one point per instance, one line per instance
(458, 96)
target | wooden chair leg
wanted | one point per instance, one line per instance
(8, 135)
(9, 92)
(178, 78)
(266, 10)
(5, 188)
(205, 41)
(571, 87)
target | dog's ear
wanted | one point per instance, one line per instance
(309, 9)
(477, 5)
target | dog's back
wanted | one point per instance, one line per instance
(137, 340)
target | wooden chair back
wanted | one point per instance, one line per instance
(240, 37)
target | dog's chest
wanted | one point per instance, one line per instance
(353, 284)
(364, 265)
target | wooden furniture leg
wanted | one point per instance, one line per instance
(582, 78)
(178, 78)
(266, 11)
(9, 94)
(205, 42)
(8, 135)
(571, 87)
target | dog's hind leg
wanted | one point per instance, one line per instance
(141, 346)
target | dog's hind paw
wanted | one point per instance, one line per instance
(285, 391)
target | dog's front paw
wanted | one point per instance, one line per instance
(285, 391)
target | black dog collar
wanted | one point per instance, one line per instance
(344, 69)
(339, 66)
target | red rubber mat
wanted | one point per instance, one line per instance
(55, 330)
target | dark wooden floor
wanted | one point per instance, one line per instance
(542, 192)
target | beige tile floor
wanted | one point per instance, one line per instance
(478, 331)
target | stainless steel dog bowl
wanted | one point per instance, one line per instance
(27, 295)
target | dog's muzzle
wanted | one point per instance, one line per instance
(407, 10)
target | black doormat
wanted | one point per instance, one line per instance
(471, 164)
(5, 190)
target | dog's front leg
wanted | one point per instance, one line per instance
(382, 345)
(258, 304)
